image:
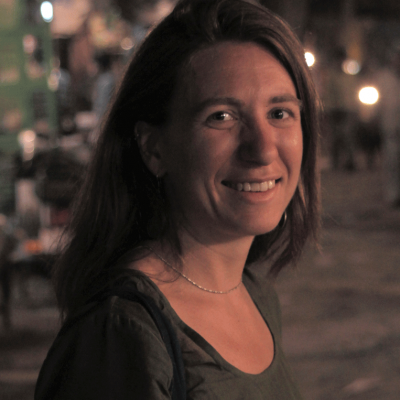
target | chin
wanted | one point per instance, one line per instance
(259, 229)
(265, 230)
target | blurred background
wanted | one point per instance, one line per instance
(59, 64)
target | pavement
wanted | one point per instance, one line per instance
(339, 306)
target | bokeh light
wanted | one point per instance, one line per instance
(127, 43)
(46, 10)
(368, 95)
(53, 79)
(310, 59)
(351, 67)
(27, 141)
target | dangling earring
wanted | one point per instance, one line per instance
(282, 222)
(159, 189)
(155, 223)
(136, 135)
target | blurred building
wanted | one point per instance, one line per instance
(27, 101)
(50, 81)
(48, 69)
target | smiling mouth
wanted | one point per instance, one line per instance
(251, 186)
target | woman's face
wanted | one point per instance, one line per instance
(232, 147)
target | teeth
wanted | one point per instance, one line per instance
(271, 184)
(254, 186)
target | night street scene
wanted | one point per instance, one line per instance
(60, 65)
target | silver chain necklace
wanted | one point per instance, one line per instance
(189, 280)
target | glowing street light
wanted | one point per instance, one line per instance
(310, 59)
(368, 95)
(46, 10)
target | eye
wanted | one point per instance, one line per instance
(280, 114)
(221, 116)
(221, 120)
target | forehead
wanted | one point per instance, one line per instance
(233, 68)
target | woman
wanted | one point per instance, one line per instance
(205, 168)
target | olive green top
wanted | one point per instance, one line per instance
(114, 350)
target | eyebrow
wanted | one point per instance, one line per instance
(217, 101)
(284, 98)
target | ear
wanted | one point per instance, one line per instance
(148, 139)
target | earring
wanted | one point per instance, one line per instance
(282, 222)
(159, 188)
(157, 222)
(136, 134)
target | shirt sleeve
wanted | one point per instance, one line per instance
(104, 356)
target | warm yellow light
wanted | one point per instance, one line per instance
(310, 59)
(368, 95)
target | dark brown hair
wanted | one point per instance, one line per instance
(120, 203)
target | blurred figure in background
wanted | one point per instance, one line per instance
(388, 81)
(342, 108)
(64, 100)
(103, 87)
(7, 246)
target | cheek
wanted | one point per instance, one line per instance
(186, 163)
(292, 148)
(205, 153)
(176, 150)
(298, 149)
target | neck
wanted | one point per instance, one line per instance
(218, 266)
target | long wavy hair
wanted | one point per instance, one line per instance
(120, 204)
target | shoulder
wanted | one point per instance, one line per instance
(108, 350)
(263, 292)
(112, 315)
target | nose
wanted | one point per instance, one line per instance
(258, 142)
